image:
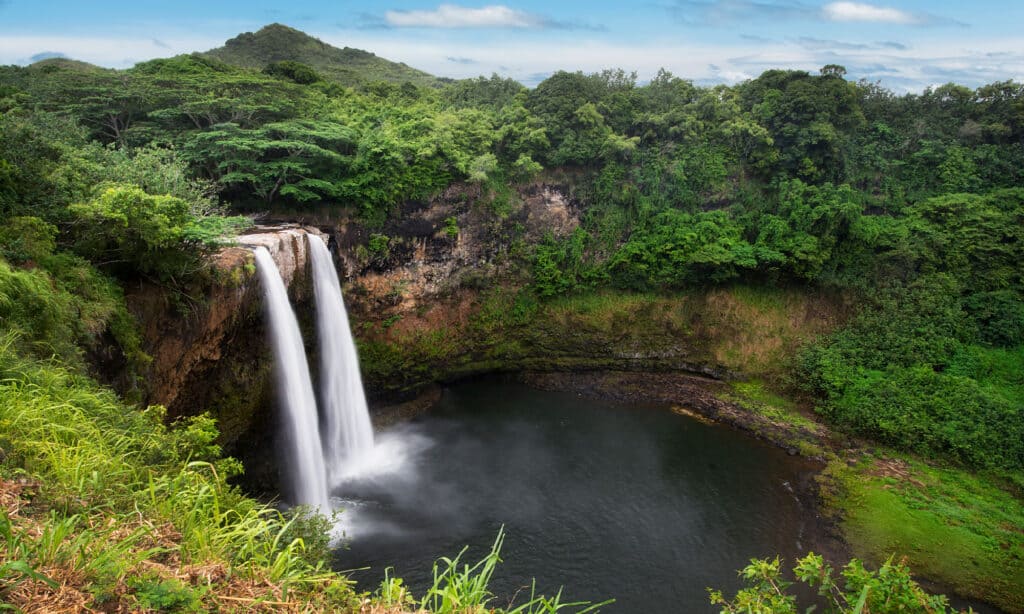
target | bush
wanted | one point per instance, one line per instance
(166, 594)
(890, 589)
(130, 232)
(24, 239)
(934, 414)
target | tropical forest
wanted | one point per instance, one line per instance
(291, 327)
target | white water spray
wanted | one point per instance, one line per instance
(348, 434)
(306, 462)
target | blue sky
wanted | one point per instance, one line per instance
(907, 46)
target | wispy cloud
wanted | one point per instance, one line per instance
(816, 44)
(722, 12)
(453, 16)
(857, 11)
(808, 42)
(464, 61)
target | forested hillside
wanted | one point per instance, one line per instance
(910, 207)
(913, 203)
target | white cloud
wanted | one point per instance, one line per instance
(454, 16)
(968, 61)
(857, 11)
(911, 69)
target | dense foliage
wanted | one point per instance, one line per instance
(909, 206)
(913, 204)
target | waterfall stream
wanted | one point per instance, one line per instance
(348, 434)
(316, 460)
(305, 454)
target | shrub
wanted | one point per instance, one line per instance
(130, 232)
(890, 589)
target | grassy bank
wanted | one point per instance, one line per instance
(103, 507)
(962, 529)
(801, 430)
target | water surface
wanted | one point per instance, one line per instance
(610, 500)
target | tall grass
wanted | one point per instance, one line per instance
(122, 506)
(112, 474)
(463, 588)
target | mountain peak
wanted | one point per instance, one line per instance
(277, 42)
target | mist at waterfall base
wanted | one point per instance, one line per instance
(610, 500)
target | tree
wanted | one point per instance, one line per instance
(129, 232)
(301, 160)
(808, 118)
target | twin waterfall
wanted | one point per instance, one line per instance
(316, 458)
(347, 431)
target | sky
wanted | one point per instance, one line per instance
(905, 46)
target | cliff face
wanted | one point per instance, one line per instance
(211, 355)
(462, 239)
(438, 295)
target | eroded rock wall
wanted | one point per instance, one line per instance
(437, 294)
(210, 352)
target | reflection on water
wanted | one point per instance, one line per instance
(609, 500)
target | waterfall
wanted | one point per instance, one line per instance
(306, 460)
(348, 434)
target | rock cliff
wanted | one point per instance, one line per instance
(438, 294)
(210, 354)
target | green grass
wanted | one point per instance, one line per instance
(963, 530)
(757, 397)
(460, 587)
(600, 302)
(113, 487)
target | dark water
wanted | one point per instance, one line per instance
(609, 500)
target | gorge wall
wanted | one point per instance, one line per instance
(211, 354)
(436, 295)
(444, 298)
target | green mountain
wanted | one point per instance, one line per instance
(279, 43)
